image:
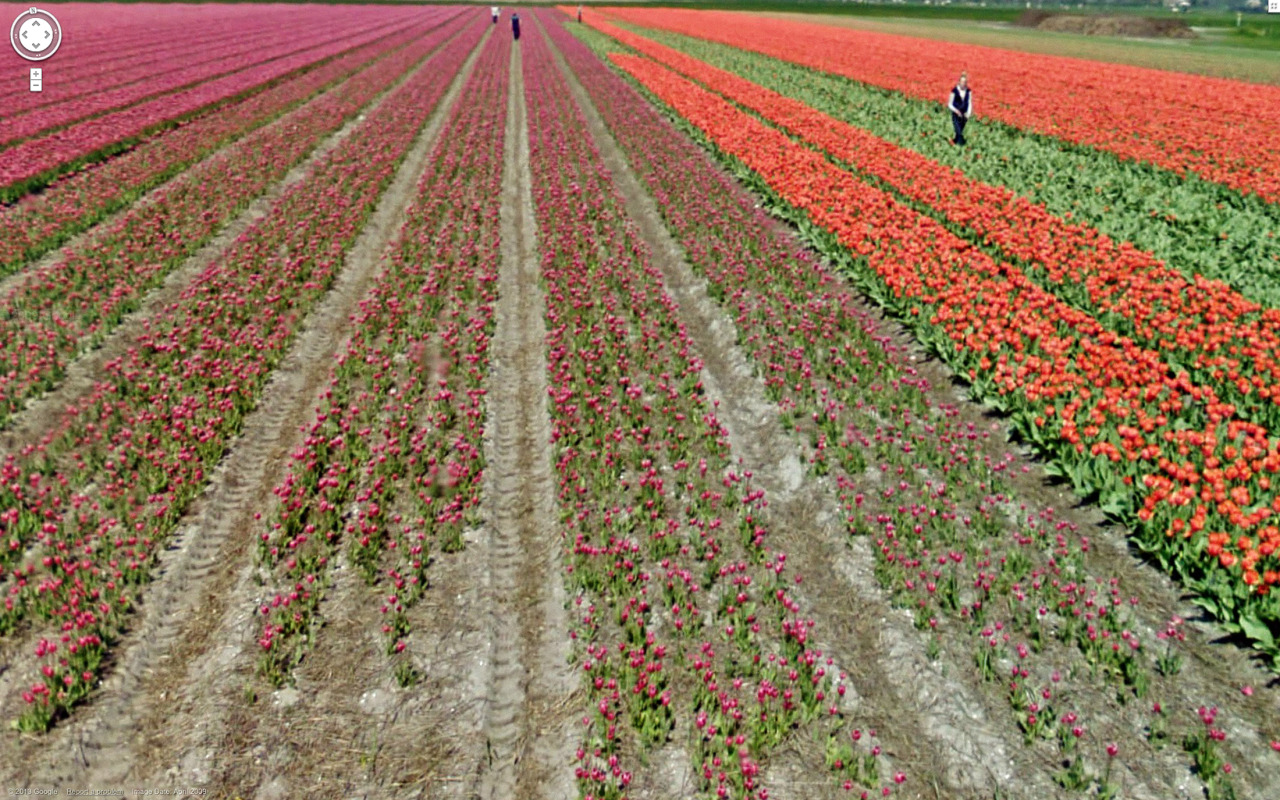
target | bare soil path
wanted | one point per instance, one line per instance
(164, 716)
(530, 705)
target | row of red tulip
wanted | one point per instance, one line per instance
(934, 494)
(1195, 226)
(391, 466)
(684, 616)
(1220, 337)
(1084, 394)
(38, 223)
(58, 312)
(1232, 136)
(108, 485)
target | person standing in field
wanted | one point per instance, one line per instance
(961, 107)
(579, 13)
(494, 10)
(515, 26)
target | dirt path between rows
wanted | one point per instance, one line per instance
(530, 711)
(163, 717)
(934, 726)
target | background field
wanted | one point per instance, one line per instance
(1218, 52)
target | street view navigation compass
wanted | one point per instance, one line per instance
(35, 34)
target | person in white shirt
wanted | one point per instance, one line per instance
(494, 10)
(961, 107)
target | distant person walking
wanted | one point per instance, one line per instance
(579, 14)
(961, 107)
(494, 10)
(515, 26)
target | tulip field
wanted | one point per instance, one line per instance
(654, 406)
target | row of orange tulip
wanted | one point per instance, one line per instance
(1161, 450)
(1224, 131)
(1220, 337)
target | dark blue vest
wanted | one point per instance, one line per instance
(959, 101)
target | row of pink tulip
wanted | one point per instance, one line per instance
(684, 615)
(392, 462)
(71, 93)
(95, 35)
(33, 161)
(38, 223)
(110, 482)
(56, 313)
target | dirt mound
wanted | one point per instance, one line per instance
(1092, 25)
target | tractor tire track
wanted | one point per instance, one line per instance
(324, 736)
(527, 731)
(195, 623)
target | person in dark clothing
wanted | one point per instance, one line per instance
(579, 14)
(515, 26)
(494, 11)
(961, 107)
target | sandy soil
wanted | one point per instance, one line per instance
(531, 705)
